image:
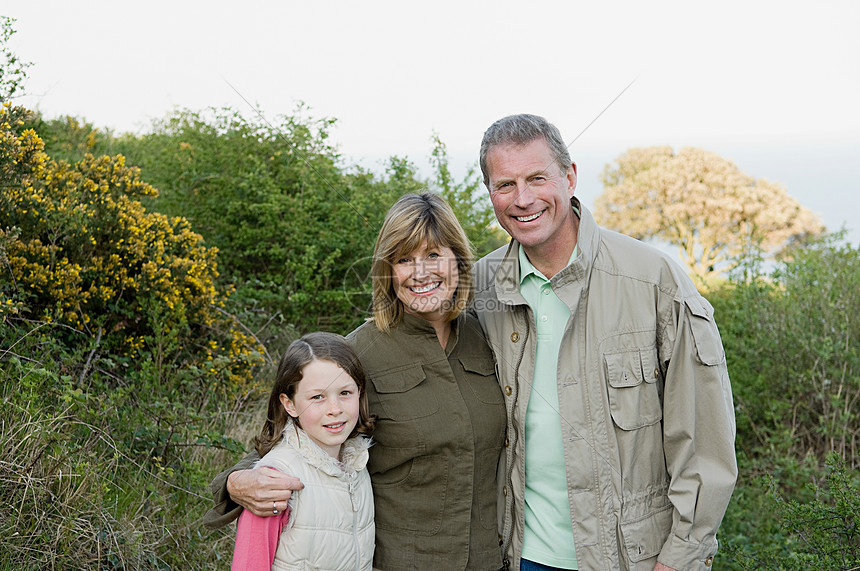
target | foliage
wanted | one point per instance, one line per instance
(294, 227)
(13, 71)
(70, 139)
(469, 201)
(792, 353)
(288, 223)
(792, 345)
(701, 203)
(820, 532)
(81, 488)
(82, 251)
(120, 371)
(829, 525)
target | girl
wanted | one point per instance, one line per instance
(314, 430)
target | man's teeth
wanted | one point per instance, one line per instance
(528, 218)
(425, 289)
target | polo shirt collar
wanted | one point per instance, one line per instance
(527, 268)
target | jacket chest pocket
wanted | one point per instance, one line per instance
(634, 395)
(481, 377)
(404, 394)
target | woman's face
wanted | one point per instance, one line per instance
(425, 281)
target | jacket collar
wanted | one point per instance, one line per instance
(414, 325)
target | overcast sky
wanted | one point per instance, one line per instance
(772, 86)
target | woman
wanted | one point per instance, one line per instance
(432, 386)
(440, 412)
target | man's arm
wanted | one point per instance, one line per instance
(260, 490)
(699, 435)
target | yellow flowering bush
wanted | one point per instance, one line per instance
(80, 250)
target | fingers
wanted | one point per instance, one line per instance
(270, 509)
(276, 481)
(264, 509)
(267, 507)
(262, 490)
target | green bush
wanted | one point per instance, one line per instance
(791, 342)
(821, 531)
(294, 226)
(121, 372)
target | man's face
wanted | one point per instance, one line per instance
(530, 196)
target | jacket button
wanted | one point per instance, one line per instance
(505, 491)
(508, 390)
(709, 561)
(507, 442)
(656, 373)
(515, 336)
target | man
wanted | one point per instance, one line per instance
(620, 437)
(620, 418)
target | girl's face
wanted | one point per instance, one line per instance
(325, 404)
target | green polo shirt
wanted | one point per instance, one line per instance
(548, 531)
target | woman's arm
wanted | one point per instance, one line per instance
(240, 487)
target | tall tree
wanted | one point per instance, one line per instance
(701, 203)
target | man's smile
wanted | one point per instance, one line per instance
(530, 217)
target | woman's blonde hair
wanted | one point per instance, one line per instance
(413, 220)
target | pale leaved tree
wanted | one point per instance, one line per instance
(702, 204)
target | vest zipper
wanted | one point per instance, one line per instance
(354, 522)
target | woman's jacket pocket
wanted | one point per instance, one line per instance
(405, 393)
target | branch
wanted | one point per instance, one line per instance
(248, 331)
(90, 357)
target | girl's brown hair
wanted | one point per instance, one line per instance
(313, 346)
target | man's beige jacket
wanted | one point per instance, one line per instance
(645, 402)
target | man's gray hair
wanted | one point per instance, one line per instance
(521, 130)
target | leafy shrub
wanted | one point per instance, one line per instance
(791, 344)
(81, 250)
(821, 531)
(121, 372)
(294, 226)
